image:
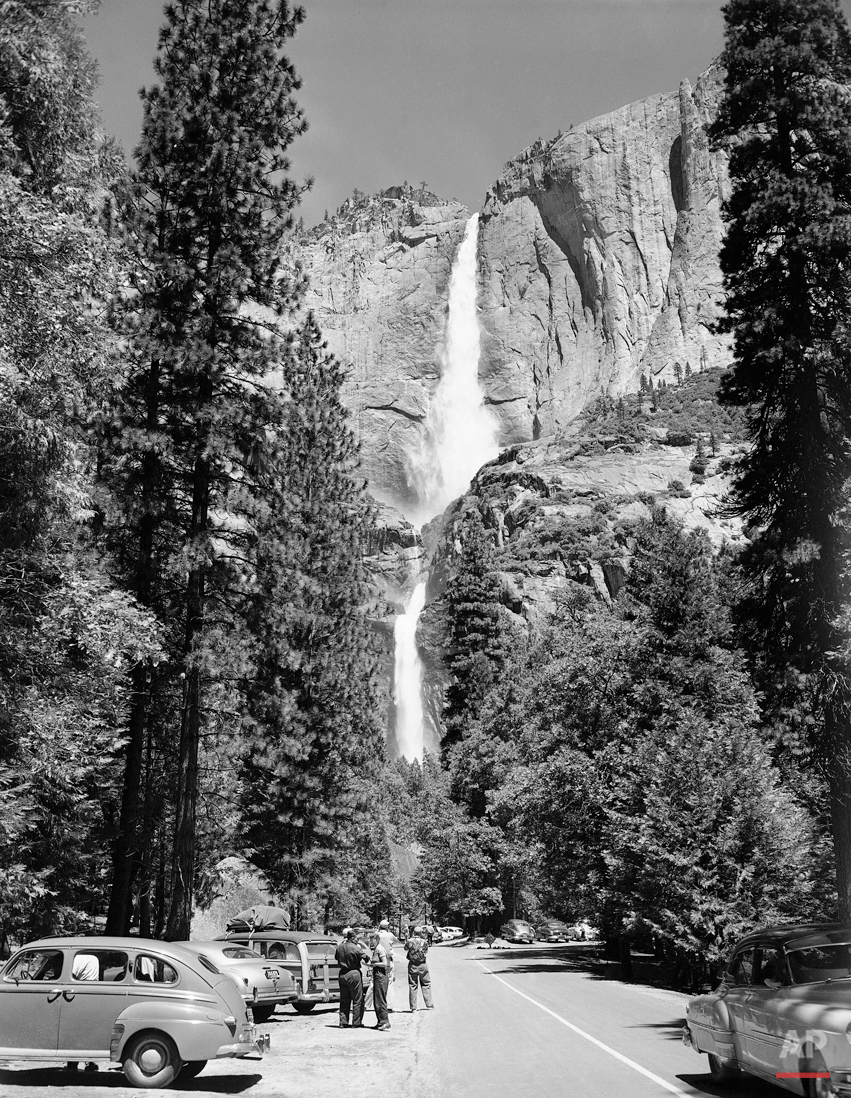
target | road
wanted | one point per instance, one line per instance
(526, 1022)
(532, 1020)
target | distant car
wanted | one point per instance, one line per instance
(450, 933)
(554, 930)
(308, 958)
(157, 1009)
(517, 930)
(782, 1009)
(584, 932)
(261, 984)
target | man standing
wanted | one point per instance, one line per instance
(418, 974)
(349, 954)
(386, 939)
(379, 981)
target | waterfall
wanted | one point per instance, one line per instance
(459, 435)
(408, 678)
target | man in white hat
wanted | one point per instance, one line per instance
(386, 939)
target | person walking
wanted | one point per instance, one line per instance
(349, 955)
(387, 939)
(416, 948)
(379, 981)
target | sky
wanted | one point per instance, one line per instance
(437, 91)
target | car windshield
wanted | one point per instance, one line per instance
(824, 962)
(240, 953)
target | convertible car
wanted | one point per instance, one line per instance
(782, 1011)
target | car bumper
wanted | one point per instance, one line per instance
(258, 1043)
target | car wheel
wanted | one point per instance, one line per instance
(816, 1088)
(303, 1008)
(193, 1068)
(263, 1013)
(721, 1071)
(151, 1061)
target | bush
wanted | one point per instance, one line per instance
(678, 489)
(678, 438)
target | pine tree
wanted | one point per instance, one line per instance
(206, 213)
(784, 121)
(476, 632)
(314, 745)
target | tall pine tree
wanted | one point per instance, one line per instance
(314, 747)
(786, 259)
(200, 321)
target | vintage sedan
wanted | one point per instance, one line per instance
(309, 958)
(262, 985)
(553, 930)
(517, 930)
(157, 1009)
(782, 1011)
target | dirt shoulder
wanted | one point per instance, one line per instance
(310, 1057)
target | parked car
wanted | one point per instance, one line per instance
(158, 1009)
(554, 930)
(309, 959)
(782, 1008)
(261, 984)
(450, 933)
(517, 930)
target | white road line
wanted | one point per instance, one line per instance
(612, 1052)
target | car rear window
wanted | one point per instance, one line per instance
(826, 962)
(321, 949)
(282, 951)
(240, 953)
(154, 970)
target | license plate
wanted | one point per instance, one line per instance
(272, 973)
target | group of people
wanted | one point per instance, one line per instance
(352, 956)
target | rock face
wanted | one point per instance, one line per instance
(597, 264)
(378, 274)
(599, 260)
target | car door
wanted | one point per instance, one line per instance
(764, 1010)
(94, 994)
(31, 1002)
(738, 987)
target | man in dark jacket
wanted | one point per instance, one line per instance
(418, 974)
(349, 955)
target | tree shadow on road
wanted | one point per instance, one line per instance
(746, 1087)
(82, 1082)
(674, 1028)
(585, 959)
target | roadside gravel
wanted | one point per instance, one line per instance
(310, 1057)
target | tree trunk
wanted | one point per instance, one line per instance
(625, 956)
(838, 737)
(183, 861)
(125, 848)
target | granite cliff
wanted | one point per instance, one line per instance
(597, 264)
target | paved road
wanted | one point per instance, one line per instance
(529, 1021)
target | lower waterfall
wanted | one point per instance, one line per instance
(459, 435)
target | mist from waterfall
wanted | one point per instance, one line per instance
(459, 435)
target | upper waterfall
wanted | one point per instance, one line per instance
(460, 433)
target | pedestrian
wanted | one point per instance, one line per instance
(386, 939)
(418, 974)
(349, 955)
(379, 980)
